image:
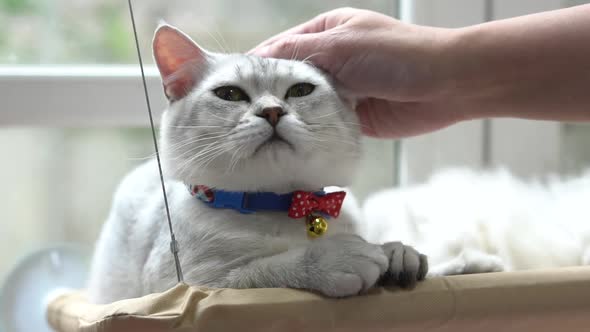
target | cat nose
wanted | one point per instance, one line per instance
(272, 114)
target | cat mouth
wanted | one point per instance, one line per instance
(274, 140)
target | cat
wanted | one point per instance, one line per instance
(242, 123)
(472, 221)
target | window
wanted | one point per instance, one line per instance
(73, 117)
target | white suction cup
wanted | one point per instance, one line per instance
(24, 292)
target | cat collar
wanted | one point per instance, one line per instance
(298, 204)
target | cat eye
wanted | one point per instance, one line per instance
(231, 93)
(300, 90)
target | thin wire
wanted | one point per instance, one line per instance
(173, 243)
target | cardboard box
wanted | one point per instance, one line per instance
(545, 300)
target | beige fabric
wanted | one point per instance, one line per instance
(550, 300)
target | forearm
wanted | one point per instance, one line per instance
(534, 67)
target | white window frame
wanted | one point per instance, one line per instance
(78, 96)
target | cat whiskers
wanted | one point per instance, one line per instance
(213, 153)
(320, 133)
(152, 155)
(321, 144)
(226, 49)
(220, 118)
(333, 138)
(240, 155)
(223, 48)
(318, 139)
(295, 52)
(235, 158)
(200, 137)
(212, 149)
(207, 159)
(179, 145)
(307, 58)
(204, 147)
(334, 125)
(326, 115)
(197, 127)
(204, 137)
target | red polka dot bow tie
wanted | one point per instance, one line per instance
(304, 203)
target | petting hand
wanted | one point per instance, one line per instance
(390, 67)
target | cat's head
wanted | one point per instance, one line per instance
(241, 122)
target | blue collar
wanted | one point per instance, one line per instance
(244, 202)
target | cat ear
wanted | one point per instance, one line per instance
(180, 60)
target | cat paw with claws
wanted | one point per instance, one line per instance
(406, 265)
(344, 265)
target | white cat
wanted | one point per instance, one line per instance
(468, 221)
(242, 124)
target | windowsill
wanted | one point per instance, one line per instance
(78, 96)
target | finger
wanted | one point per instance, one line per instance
(369, 111)
(317, 24)
(394, 119)
(380, 118)
(367, 127)
(298, 47)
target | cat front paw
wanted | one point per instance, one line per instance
(344, 265)
(406, 265)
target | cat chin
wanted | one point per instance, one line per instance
(273, 145)
(260, 175)
(270, 183)
(279, 187)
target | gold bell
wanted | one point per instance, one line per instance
(316, 226)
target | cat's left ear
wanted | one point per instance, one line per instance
(180, 60)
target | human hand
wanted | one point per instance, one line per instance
(393, 69)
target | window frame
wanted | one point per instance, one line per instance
(78, 96)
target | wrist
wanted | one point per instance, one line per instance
(464, 79)
(444, 74)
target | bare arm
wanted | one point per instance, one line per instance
(412, 79)
(534, 67)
